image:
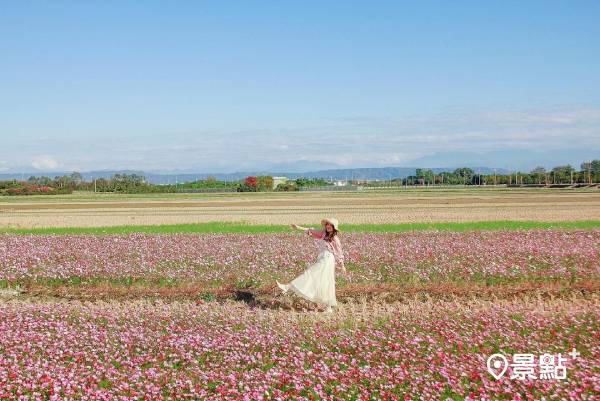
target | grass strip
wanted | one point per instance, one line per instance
(246, 228)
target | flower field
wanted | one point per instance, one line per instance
(175, 351)
(372, 258)
(197, 348)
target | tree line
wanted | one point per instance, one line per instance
(135, 183)
(589, 172)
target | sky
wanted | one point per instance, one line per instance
(225, 86)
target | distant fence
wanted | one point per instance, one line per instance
(575, 185)
(203, 190)
(333, 188)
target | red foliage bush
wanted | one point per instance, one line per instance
(251, 181)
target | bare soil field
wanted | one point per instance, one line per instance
(401, 206)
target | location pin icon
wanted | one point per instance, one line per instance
(497, 365)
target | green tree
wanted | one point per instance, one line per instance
(591, 171)
(302, 182)
(76, 178)
(562, 174)
(424, 176)
(538, 175)
(287, 186)
(465, 173)
(265, 183)
(63, 182)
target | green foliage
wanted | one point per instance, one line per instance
(590, 172)
(424, 176)
(287, 187)
(310, 182)
(137, 184)
(265, 183)
(227, 227)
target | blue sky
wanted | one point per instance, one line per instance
(229, 86)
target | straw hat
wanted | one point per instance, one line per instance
(331, 220)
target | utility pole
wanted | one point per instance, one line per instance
(571, 177)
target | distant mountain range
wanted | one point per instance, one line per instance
(381, 173)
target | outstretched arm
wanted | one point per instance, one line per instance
(297, 227)
(308, 230)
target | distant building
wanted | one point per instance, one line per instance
(279, 180)
(339, 183)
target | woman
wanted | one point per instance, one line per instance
(317, 283)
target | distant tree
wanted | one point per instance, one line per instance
(426, 175)
(265, 183)
(465, 173)
(302, 182)
(44, 181)
(590, 171)
(77, 178)
(251, 181)
(63, 181)
(41, 181)
(287, 186)
(310, 182)
(104, 185)
(130, 183)
(538, 174)
(562, 174)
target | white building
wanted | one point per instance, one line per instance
(279, 180)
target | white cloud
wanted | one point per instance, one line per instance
(348, 142)
(44, 162)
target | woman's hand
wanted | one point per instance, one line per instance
(294, 226)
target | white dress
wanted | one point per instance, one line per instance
(317, 283)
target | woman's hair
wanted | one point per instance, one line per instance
(329, 236)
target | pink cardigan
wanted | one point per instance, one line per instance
(334, 246)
